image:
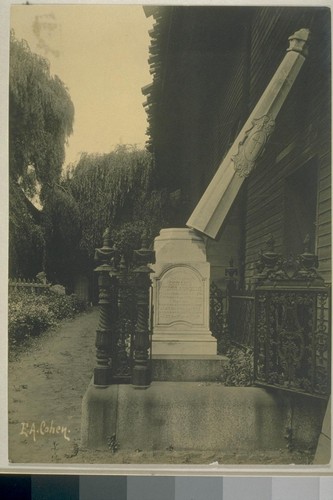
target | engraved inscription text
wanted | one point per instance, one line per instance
(181, 297)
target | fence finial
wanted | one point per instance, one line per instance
(306, 243)
(107, 242)
(270, 243)
(308, 261)
(231, 272)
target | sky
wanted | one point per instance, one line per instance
(100, 52)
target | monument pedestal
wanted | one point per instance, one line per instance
(181, 295)
(188, 367)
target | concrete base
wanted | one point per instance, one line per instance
(198, 416)
(184, 344)
(194, 368)
(323, 452)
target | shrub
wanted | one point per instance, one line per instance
(239, 371)
(65, 306)
(30, 314)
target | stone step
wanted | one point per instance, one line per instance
(188, 368)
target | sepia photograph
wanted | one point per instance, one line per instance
(169, 270)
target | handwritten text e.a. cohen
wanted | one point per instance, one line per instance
(44, 428)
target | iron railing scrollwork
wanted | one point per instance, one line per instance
(292, 342)
(292, 348)
(285, 318)
(122, 352)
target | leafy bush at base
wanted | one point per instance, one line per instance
(239, 371)
(30, 314)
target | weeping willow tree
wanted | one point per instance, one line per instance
(116, 190)
(62, 228)
(26, 236)
(41, 116)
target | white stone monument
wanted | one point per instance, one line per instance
(181, 295)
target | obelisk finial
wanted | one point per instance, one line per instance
(298, 42)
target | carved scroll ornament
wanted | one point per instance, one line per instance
(253, 145)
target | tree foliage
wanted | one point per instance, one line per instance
(41, 116)
(62, 229)
(26, 237)
(116, 190)
(113, 190)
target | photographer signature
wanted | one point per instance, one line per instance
(43, 428)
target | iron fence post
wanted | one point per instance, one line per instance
(231, 274)
(107, 309)
(141, 374)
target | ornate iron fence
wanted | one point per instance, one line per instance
(286, 320)
(241, 314)
(292, 324)
(292, 343)
(240, 310)
(123, 340)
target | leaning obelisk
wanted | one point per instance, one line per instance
(209, 214)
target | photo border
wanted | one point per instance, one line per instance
(101, 469)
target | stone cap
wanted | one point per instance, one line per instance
(298, 42)
(179, 245)
(179, 233)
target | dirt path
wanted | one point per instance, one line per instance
(45, 389)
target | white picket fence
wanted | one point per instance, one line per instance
(29, 286)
